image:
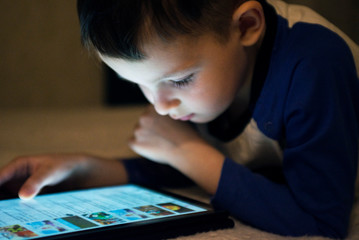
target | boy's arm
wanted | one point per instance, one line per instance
(30, 174)
(320, 159)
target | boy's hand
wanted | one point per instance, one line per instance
(36, 172)
(176, 143)
(162, 139)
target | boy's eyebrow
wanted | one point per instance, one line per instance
(180, 73)
(170, 75)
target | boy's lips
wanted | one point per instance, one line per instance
(184, 118)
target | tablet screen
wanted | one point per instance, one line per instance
(66, 212)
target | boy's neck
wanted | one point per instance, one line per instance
(242, 100)
(233, 121)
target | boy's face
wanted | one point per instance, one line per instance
(189, 80)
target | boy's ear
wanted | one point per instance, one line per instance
(249, 20)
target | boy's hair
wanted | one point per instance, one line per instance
(120, 28)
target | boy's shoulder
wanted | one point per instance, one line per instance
(304, 33)
(311, 45)
(306, 59)
(314, 41)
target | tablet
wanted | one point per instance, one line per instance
(126, 211)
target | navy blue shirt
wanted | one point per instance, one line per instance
(309, 103)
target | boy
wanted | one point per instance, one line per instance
(273, 105)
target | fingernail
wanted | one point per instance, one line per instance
(26, 195)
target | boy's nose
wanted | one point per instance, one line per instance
(163, 106)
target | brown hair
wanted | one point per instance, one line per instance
(117, 28)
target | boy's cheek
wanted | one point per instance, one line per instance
(147, 94)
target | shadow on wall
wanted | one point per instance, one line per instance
(343, 14)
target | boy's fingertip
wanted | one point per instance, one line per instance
(26, 194)
(25, 197)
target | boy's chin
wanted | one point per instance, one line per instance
(202, 120)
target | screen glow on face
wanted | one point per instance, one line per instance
(60, 213)
(190, 79)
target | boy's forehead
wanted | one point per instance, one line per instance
(134, 71)
(160, 64)
(164, 59)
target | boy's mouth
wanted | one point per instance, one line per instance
(184, 118)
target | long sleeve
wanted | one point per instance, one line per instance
(319, 121)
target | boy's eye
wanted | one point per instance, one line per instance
(183, 82)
